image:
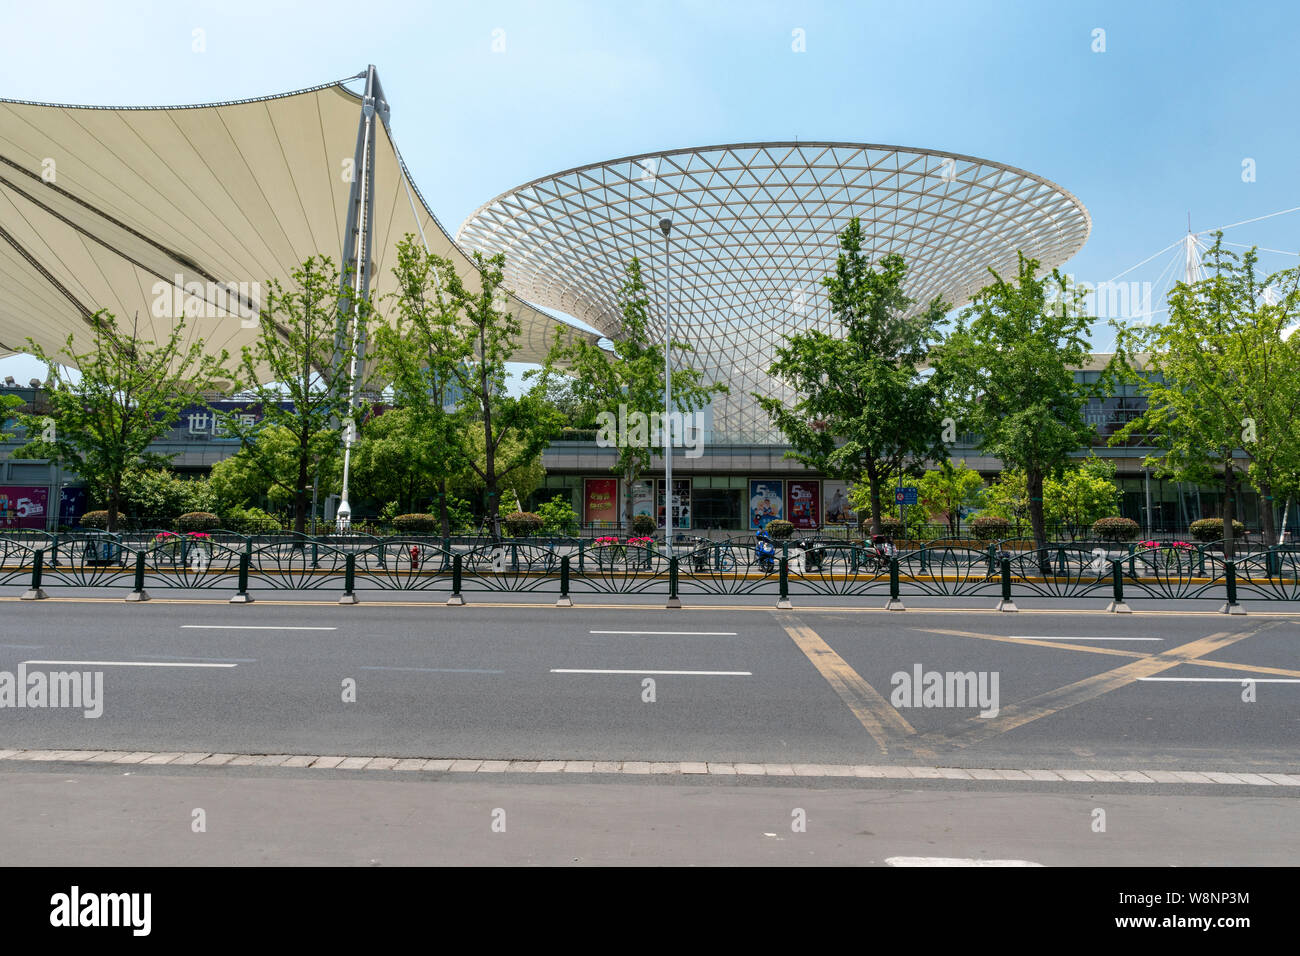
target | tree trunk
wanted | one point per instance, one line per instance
(300, 497)
(1034, 489)
(873, 480)
(444, 513)
(114, 503)
(1266, 514)
(1229, 486)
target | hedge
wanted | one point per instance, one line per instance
(520, 524)
(778, 529)
(198, 521)
(989, 527)
(95, 519)
(1115, 529)
(1211, 529)
(643, 524)
(415, 523)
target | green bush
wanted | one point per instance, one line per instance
(95, 519)
(415, 524)
(1211, 529)
(521, 524)
(198, 521)
(558, 516)
(249, 521)
(990, 527)
(643, 525)
(892, 526)
(779, 530)
(1115, 529)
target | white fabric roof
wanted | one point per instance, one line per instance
(98, 204)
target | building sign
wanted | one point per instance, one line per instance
(643, 498)
(600, 500)
(838, 509)
(681, 503)
(766, 502)
(24, 506)
(803, 504)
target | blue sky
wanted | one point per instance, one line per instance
(1153, 128)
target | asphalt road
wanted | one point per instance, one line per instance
(741, 684)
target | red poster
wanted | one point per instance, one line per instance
(23, 507)
(803, 504)
(600, 500)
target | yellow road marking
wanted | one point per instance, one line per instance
(1113, 651)
(978, 729)
(880, 718)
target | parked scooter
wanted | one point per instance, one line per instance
(764, 552)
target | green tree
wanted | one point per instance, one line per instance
(268, 474)
(160, 496)
(632, 376)
(125, 393)
(1219, 377)
(864, 411)
(400, 458)
(418, 352)
(300, 372)
(1007, 496)
(1010, 366)
(949, 489)
(1081, 494)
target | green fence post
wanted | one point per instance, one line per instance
(243, 597)
(925, 559)
(565, 600)
(783, 582)
(582, 566)
(36, 592)
(456, 598)
(1006, 604)
(349, 578)
(1117, 604)
(673, 599)
(1230, 579)
(895, 602)
(138, 593)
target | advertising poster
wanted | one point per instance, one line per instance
(838, 510)
(600, 499)
(766, 502)
(681, 504)
(803, 504)
(23, 507)
(72, 505)
(643, 498)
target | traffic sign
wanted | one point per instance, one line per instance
(905, 496)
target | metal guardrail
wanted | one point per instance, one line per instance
(358, 563)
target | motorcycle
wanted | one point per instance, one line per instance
(764, 552)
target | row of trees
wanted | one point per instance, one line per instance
(440, 359)
(1220, 379)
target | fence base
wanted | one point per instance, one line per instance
(1007, 606)
(455, 600)
(34, 594)
(565, 601)
(894, 604)
(674, 602)
(1118, 607)
(349, 599)
(784, 605)
(242, 599)
(138, 596)
(1232, 609)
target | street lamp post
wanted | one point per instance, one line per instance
(666, 227)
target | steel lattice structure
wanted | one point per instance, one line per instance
(755, 228)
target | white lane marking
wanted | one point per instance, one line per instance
(1225, 680)
(674, 633)
(430, 670)
(127, 664)
(1016, 637)
(252, 627)
(564, 670)
(24, 647)
(953, 861)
